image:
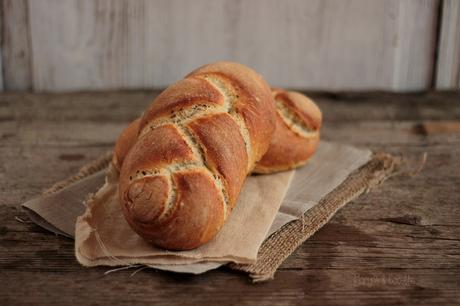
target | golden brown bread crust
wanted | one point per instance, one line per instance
(252, 100)
(125, 141)
(225, 153)
(297, 132)
(191, 219)
(191, 95)
(196, 144)
(288, 148)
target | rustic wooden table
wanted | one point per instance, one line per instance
(399, 243)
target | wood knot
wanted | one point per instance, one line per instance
(406, 219)
(71, 157)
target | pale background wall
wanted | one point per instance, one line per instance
(448, 64)
(62, 45)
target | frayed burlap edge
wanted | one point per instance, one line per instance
(282, 243)
(276, 248)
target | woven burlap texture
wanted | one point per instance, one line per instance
(285, 241)
(278, 246)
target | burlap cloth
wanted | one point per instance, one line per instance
(274, 215)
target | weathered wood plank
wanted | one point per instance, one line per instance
(322, 289)
(448, 66)
(34, 168)
(369, 249)
(42, 130)
(16, 46)
(340, 263)
(122, 106)
(1, 76)
(398, 244)
(353, 44)
(96, 118)
(1, 40)
(383, 225)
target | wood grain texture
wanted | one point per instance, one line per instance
(448, 65)
(16, 48)
(415, 44)
(1, 68)
(398, 244)
(1, 39)
(329, 44)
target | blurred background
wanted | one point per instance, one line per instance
(72, 45)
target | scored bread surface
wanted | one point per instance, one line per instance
(295, 140)
(297, 134)
(196, 144)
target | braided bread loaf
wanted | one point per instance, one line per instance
(296, 137)
(298, 122)
(196, 144)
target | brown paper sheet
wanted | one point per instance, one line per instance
(104, 237)
(329, 167)
(98, 243)
(58, 212)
